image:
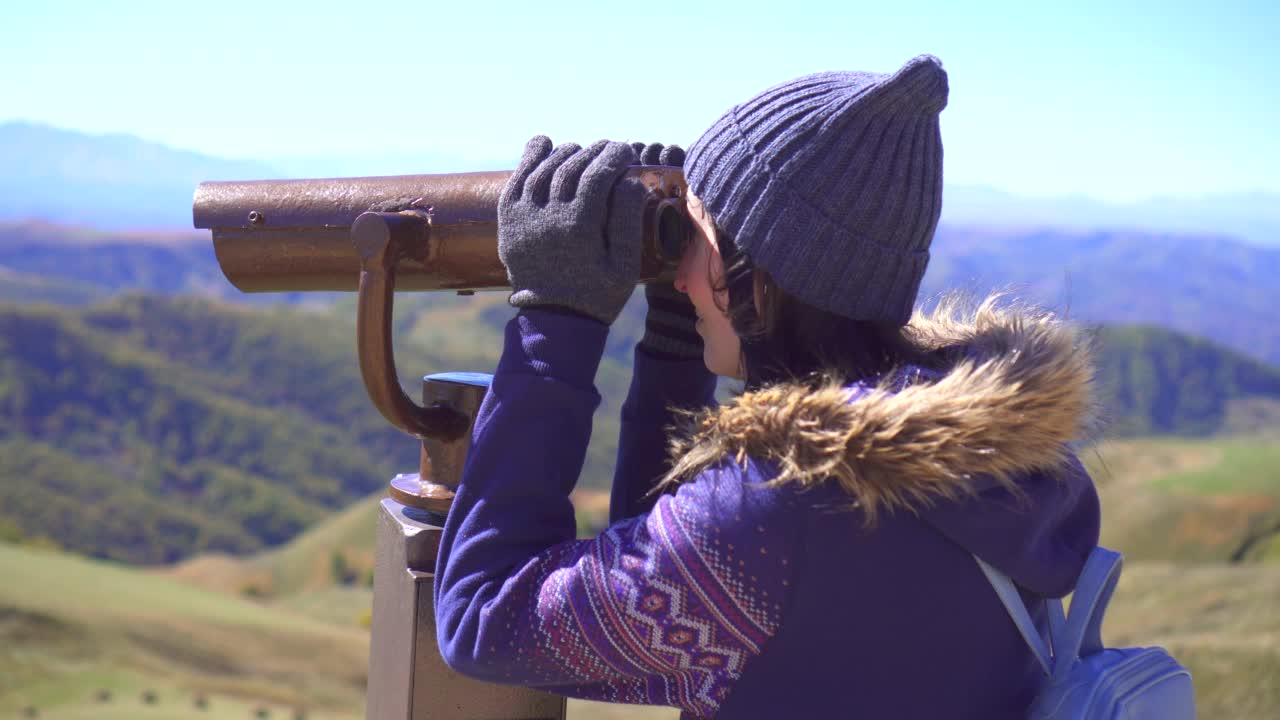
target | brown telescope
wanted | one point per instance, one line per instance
(300, 235)
(377, 235)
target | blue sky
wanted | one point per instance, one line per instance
(1119, 100)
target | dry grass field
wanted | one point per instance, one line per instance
(71, 628)
(274, 634)
(1190, 501)
(1222, 621)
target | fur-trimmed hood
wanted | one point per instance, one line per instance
(1016, 387)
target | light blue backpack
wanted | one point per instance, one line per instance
(1084, 680)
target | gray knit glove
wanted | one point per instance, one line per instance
(669, 324)
(569, 232)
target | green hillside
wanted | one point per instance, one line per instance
(102, 262)
(16, 287)
(1159, 382)
(1164, 500)
(196, 426)
(303, 565)
(96, 408)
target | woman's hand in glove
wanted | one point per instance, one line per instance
(670, 323)
(570, 228)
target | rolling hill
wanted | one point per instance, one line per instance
(1180, 510)
(86, 639)
(1164, 500)
(1159, 382)
(75, 626)
(89, 637)
(189, 426)
(196, 426)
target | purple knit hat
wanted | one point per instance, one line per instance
(833, 184)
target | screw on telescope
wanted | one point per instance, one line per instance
(256, 218)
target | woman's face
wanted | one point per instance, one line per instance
(701, 269)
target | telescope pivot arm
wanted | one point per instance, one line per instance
(381, 239)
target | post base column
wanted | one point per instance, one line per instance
(408, 679)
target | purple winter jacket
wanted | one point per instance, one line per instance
(735, 598)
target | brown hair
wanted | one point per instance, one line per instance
(789, 339)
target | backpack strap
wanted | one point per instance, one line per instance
(1057, 618)
(1073, 635)
(1082, 635)
(1018, 611)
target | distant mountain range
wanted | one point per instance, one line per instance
(120, 181)
(1203, 286)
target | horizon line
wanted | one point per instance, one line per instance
(482, 163)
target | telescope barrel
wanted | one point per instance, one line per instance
(295, 235)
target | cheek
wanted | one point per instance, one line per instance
(693, 271)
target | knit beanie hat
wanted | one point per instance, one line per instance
(833, 184)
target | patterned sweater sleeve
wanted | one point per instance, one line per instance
(663, 608)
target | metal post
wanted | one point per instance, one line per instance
(408, 680)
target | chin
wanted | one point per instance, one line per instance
(710, 362)
(721, 353)
(720, 366)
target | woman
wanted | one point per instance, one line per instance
(809, 549)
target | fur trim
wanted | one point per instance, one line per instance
(1017, 389)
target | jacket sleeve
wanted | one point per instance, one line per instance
(663, 608)
(658, 387)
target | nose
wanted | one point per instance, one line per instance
(681, 282)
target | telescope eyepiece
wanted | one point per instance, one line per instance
(675, 231)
